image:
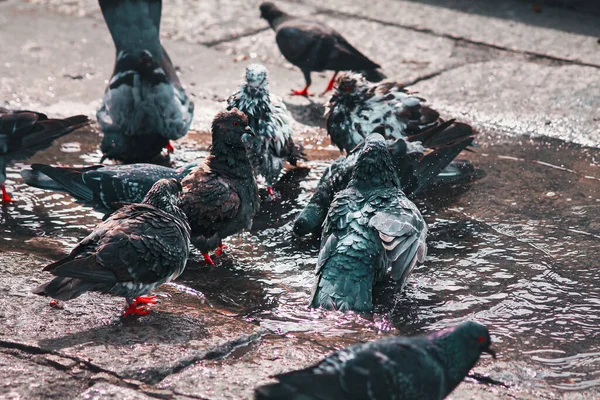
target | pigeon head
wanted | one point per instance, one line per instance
(229, 131)
(348, 88)
(165, 195)
(256, 78)
(269, 11)
(374, 167)
(461, 347)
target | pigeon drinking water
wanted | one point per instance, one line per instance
(221, 199)
(370, 227)
(268, 117)
(312, 46)
(23, 133)
(144, 105)
(426, 367)
(139, 247)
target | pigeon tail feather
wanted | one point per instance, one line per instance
(64, 288)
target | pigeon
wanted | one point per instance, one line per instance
(359, 107)
(270, 121)
(144, 105)
(139, 247)
(371, 226)
(23, 133)
(312, 46)
(222, 198)
(422, 161)
(425, 367)
(104, 187)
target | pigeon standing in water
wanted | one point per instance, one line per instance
(312, 46)
(144, 105)
(371, 225)
(358, 108)
(394, 368)
(421, 161)
(139, 247)
(23, 133)
(270, 121)
(103, 186)
(222, 199)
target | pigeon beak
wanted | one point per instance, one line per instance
(250, 132)
(104, 157)
(490, 351)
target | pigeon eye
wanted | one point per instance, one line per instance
(481, 339)
(235, 123)
(348, 89)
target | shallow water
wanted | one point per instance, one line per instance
(516, 250)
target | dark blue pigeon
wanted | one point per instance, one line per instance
(312, 46)
(104, 187)
(144, 105)
(270, 120)
(371, 226)
(421, 161)
(139, 247)
(24, 133)
(394, 368)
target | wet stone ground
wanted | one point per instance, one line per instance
(516, 249)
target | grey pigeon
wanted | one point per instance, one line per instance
(370, 227)
(359, 107)
(421, 161)
(139, 247)
(221, 199)
(24, 133)
(394, 368)
(144, 105)
(268, 117)
(312, 46)
(104, 187)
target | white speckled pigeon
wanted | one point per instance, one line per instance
(103, 186)
(394, 368)
(421, 161)
(313, 46)
(144, 105)
(358, 108)
(370, 227)
(139, 247)
(24, 133)
(268, 117)
(221, 199)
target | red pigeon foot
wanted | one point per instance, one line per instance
(207, 259)
(220, 249)
(5, 197)
(144, 300)
(170, 147)
(303, 92)
(330, 84)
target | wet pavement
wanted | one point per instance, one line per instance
(516, 249)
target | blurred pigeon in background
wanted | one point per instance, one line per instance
(426, 367)
(270, 121)
(23, 133)
(144, 105)
(312, 46)
(371, 226)
(139, 247)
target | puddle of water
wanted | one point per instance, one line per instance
(516, 250)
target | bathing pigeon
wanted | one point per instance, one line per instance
(269, 119)
(222, 198)
(426, 367)
(421, 162)
(358, 108)
(370, 227)
(144, 105)
(24, 133)
(104, 187)
(139, 247)
(312, 46)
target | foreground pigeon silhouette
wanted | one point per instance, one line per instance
(358, 108)
(371, 226)
(222, 198)
(312, 46)
(394, 368)
(23, 133)
(144, 105)
(139, 247)
(269, 119)
(104, 187)
(421, 161)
